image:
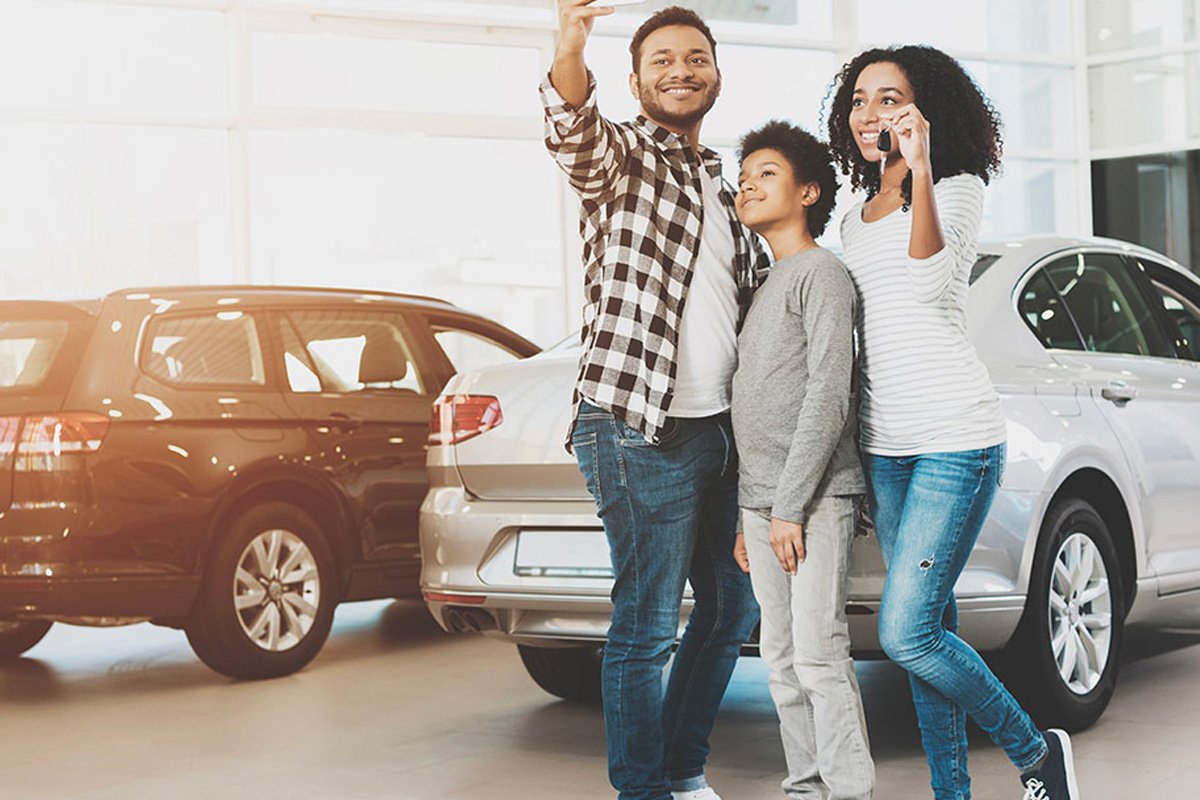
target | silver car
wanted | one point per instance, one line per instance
(1094, 346)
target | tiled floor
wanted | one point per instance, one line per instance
(394, 708)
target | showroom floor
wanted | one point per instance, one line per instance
(394, 708)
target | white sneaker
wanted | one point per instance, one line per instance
(707, 793)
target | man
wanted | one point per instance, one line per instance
(668, 271)
(800, 474)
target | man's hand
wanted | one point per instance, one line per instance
(575, 20)
(787, 540)
(740, 555)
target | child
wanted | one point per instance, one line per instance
(799, 474)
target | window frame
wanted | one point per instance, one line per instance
(1144, 267)
(427, 377)
(266, 347)
(505, 339)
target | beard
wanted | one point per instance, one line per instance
(648, 97)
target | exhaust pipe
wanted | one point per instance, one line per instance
(467, 620)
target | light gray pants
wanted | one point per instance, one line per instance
(805, 642)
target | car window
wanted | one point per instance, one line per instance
(28, 349)
(469, 351)
(1182, 309)
(349, 351)
(219, 348)
(982, 262)
(1042, 309)
(1112, 314)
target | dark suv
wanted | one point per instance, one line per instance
(232, 461)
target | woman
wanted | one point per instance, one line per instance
(932, 430)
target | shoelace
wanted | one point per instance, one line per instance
(1035, 790)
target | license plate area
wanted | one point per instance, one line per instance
(562, 553)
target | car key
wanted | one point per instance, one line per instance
(884, 143)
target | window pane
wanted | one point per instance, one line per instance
(1107, 305)
(1127, 24)
(1039, 26)
(214, 349)
(355, 351)
(815, 17)
(1143, 101)
(1042, 311)
(343, 71)
(1183, 309)
(27, 351)
(86, 209)
(474, 221)
(1036, 103)
(96, 58)
(1031, 196)
(469, 351)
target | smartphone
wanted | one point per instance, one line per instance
(615, 3)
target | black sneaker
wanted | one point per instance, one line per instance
(1055, 780)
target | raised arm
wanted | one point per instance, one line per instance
(587, 147)
(945, 221)
(569, 73)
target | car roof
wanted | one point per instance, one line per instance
(279, 295)
(1035, 248)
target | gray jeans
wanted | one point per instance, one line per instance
(806, 644)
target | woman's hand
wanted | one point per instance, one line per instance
(787, 540)
(911, 130)
(740, 555)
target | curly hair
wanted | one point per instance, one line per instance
(810, 160)
(964, 128)
(672, 15)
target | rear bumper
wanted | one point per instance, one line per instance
(470, 550)
(986, 622)
(124, 596)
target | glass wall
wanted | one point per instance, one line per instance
(397, 144)
(1143, 60)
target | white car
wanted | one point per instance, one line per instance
(1094, 346)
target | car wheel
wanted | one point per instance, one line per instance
(572, 673)
(266, 603)
(17, 636)
(1066, 654)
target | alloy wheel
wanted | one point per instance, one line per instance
(276, 590)
(1080, 613)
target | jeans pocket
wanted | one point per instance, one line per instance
(586, 456)
(628, 436)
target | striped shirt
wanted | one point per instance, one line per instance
(642, 216)
(924, 388)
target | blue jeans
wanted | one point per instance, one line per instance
(670, 513)
(928, 511)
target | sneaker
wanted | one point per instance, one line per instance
(1056, 778)
(707, 793)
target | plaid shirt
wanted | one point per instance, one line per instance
(640, 220)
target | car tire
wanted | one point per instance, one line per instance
(266, 603)
(572, 673)
(18, 636)
(1065, 657)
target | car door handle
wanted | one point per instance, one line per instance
(1119, 393)
(344, 421)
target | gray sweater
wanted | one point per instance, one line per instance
(793, 413)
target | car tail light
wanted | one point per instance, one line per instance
(459, 417)
(10, 427)
(50, 457)
(461, 599)
(47, 443)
